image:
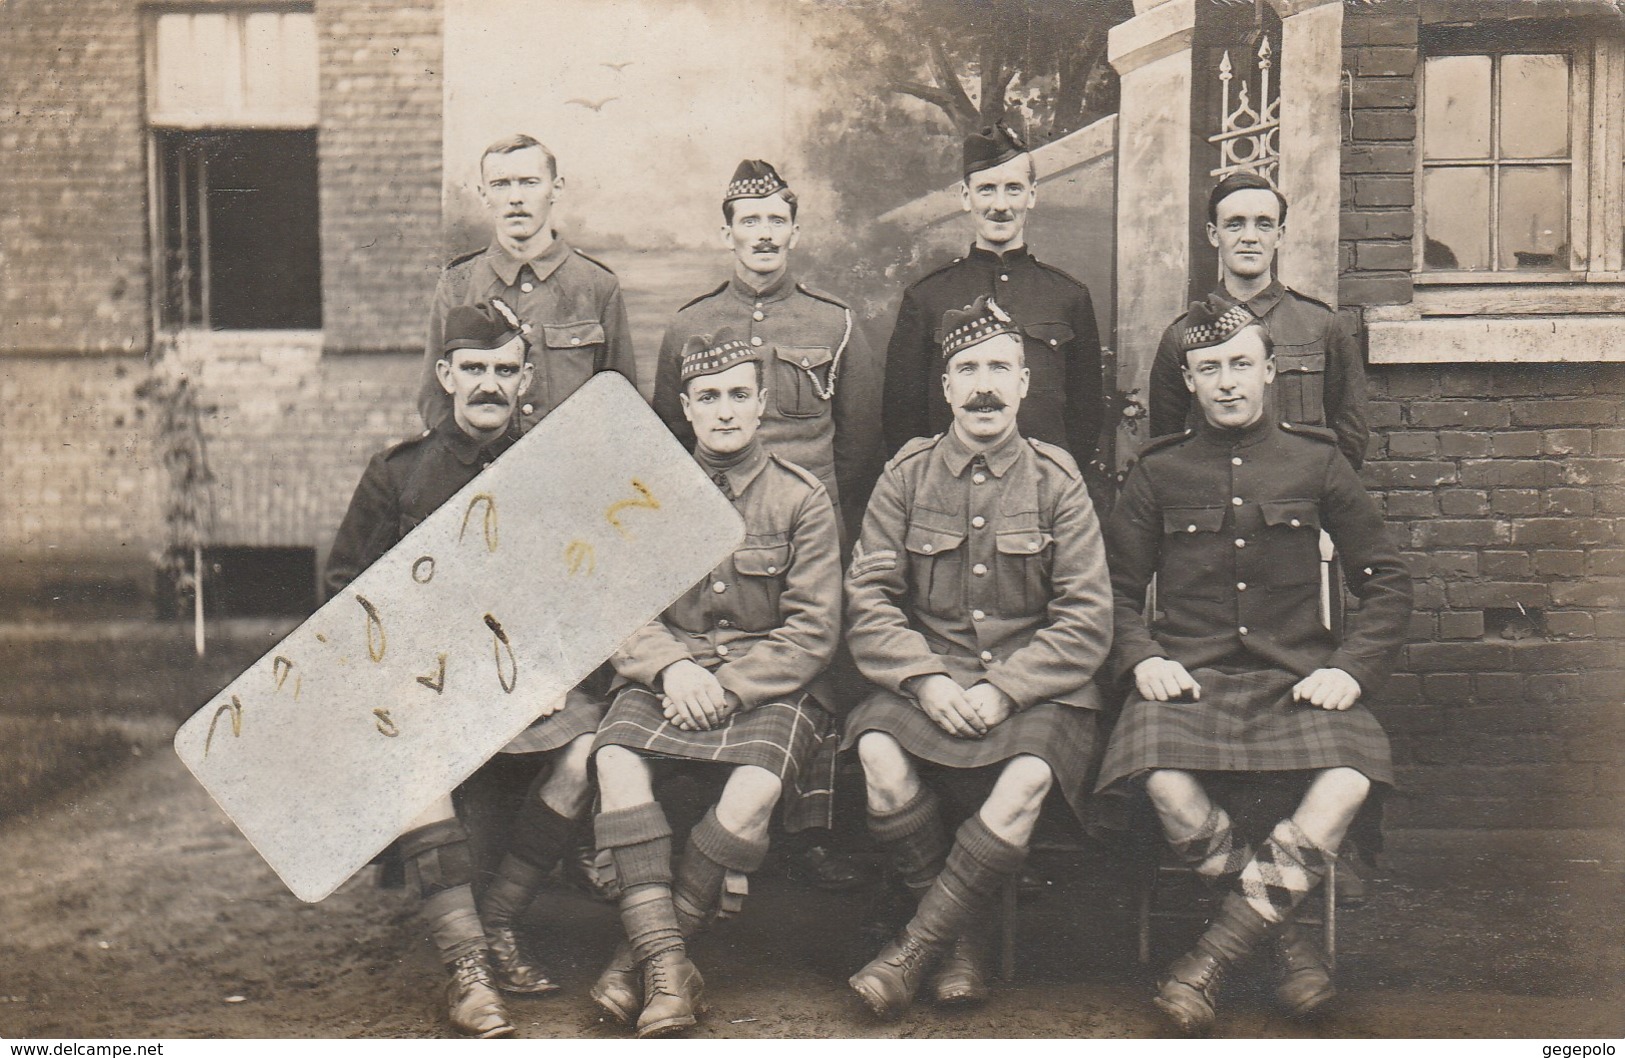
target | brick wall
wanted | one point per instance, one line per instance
(73, 213)
(381, 89)
(1379, 154)
(1505, 485)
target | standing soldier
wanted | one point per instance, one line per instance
(1237, 674)
(823, 380)
(979, 603)
(1319, 375)
(569, 305)
(1052, 311)
(729, 675)
(823, 397)
(484, 372)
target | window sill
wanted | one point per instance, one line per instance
(1598, 293)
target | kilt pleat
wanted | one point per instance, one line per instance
(795, 740)
(1063, 736)
(581, 715)
(1244, 722)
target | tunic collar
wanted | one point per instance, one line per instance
(1245, 437)
(778, 290)
(741, 468)
(1005, 259)
(1261, 303)
(957, 455)
(466, 449)
(544, 264)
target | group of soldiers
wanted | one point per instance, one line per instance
(988, 629)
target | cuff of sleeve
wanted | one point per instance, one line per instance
(740, 686)
(906, 673)
(646, 666)
(1128, 656)
(1366, 673)
(1011, 686)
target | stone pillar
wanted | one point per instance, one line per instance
(1311, 71)
(1152, 54)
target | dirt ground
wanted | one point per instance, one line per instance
(133, 908)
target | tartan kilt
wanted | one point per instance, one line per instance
(795, 740)
(1244, 722)
(581, 715)
(1062, 736)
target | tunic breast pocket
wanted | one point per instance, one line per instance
(573, 353)
(1190, 545)
(760, 578)
(1292, 535)
(936, 566)
(1300, 383)
(1026, 559)
(799, 372)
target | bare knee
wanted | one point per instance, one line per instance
(885, 765)
(1346, 786)
(616, 763)
(1027, 779)
(753, 788)
(1172, 790)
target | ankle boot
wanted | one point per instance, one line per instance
(890, 981)
(1305, 981)
(961, 979)
(511, 891)
(474, 1004)
(1189, 993)
(672, 991)
(619, 989)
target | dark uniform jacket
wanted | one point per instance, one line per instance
(402, 486)
(1229, 521)
(569, 307)
(767, 620)
(1319, 379)
(1057, 318)
(982, 567)
(823, 380)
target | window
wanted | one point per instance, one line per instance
(232, 111)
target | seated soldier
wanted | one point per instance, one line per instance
(484, 369)
(978, 601)
(729, 674)
(1238, 674)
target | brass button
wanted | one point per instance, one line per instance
(757, 316)
(1241, 585)
(1295, 523)
(979, 569)
(1035, 545)
(1240, 542)
(978, 522)
(722, 650)
(977, 615)
(526, 409)
(1235, 460)
(575, 339)
(1004, 279)
(987, 655)
(755, 340)
(527, 287)
(805, 362)
(724, 623)
(1242, 630)
(719, 587)
(1190, 528)
(1055, 341)
(978, 478)
(772, 569)
(928, 548)
(1236, 501)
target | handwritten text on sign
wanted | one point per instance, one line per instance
(448, 646)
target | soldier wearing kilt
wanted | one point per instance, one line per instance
(484, 370)
(730, 674)
(978, 602)
(1237, 672)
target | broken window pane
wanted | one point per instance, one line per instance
(1534, 217)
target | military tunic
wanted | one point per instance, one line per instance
(1319, 372)
(1064, 405)
(766, 623)
(1229, 522)
(403, 485)
(569, 307)
(983, 567)
(823, 380)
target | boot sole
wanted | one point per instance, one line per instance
(872, 999)
(609, 1006)
(1192, 1020)
(967, 998)
(670, 1025)
(532, 990)
(1303, 1008)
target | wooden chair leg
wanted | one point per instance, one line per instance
(1330, 914)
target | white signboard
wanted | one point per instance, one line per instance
(448, 646)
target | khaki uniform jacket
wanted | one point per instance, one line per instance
(1229, 522)
(982, 568)
(569, 307)
(811, 345)
(767, 620)
(1319, 371)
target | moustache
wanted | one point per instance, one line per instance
(984, 402)
(490, 398)
(765, 246)
(1001, 216)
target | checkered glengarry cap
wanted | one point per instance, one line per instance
(963, 328)
(1211, 322)
(707, 354)
(754, 179)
